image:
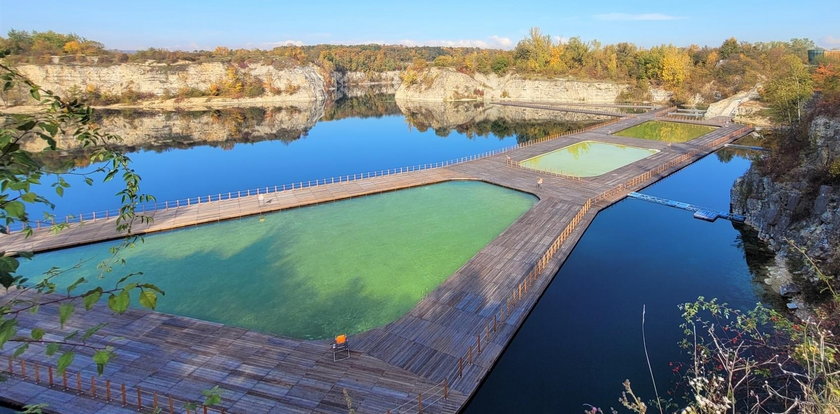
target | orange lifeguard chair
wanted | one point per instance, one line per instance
(340, 348)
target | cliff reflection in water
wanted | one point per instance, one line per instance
(160, 131)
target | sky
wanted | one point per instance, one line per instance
(205, 24)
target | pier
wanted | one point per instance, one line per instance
(701, 213)
(430, 360)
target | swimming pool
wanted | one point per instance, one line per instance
(311, 272)
(666, 131)
(587, 158)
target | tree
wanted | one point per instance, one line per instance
(730, 47)
(19, 172)
(676, 64)
(788, 89)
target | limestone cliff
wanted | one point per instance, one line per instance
(154, 130)
(452, 115)
(799, 202)
(445, 84)
(302, 83)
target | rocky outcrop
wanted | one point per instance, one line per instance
(301, 83)
(449, 115)
(801, 206)
(153, 130)
(445, 84)
(729, 106)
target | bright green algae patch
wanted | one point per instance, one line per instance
(587, 158)
(313, 272)
(666, 131)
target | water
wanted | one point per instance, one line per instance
(666, 131)
(210, 152)
(312, 272)
(583, 339)
(587, 158)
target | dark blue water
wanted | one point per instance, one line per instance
(583, 339)
(330, 148)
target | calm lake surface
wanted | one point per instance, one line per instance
(583, 338)
(352, 136)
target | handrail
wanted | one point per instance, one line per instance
(132, 397)
(184, 202)
(516, 295)
(440, 391)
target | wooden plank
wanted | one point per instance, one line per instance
(479, 307)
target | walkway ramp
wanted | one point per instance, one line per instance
(700, 213)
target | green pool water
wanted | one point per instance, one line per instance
(587, 158)
(666, 131)
(312, 272)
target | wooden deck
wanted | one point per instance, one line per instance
(451, 338)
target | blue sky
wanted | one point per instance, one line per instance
(188, 24)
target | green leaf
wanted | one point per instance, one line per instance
(26, 126)
(212, 396)
(88, 181)
(148, 299)
(50, 127)
(8, 329)
(20, 350)
(88, 333)
(37, 334)
(15, 209)
(28, 197)
(75, 284)
(119, 303)
(64, 312)
(60, 191)
(35, 94)
(92, 297)
(64, 361)
(101, 358)
(51, 349)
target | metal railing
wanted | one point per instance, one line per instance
(155, 206)
(521, 290)
(132, 397)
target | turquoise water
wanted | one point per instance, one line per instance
(583, 338)
(666, 131)
(312, 272)
(587, 158)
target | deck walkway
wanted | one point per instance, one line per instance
(561, 108)
(450, 340)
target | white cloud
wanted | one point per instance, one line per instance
(830, 41)
(503, 42)
(636, 17)
(283, 43)
(492, 42)
(560, 39)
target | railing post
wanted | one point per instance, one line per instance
(445, 388)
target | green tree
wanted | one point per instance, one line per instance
(730, 47)
(787, 90)
(19, 174)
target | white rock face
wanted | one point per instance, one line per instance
(160, 80)
(445, 84)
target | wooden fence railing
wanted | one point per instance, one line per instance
(93, 387)
(521, 290)
(231, 195)
(143, 399)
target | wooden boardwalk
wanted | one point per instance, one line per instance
(446, 344)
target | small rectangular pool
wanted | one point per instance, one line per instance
(587, 158)
(666, 131)
(311, 272)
